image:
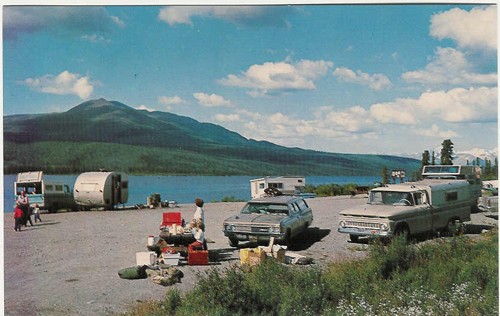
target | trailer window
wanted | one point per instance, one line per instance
(261, 185)
(59, 187)
(451, 196)
(49, 187)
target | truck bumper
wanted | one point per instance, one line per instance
(361, 231)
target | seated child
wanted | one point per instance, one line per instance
(197, 228)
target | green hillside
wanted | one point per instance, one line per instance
(110, 135)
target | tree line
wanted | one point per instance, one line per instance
(489, 169)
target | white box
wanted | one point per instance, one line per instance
(171, 258)
(145, 258)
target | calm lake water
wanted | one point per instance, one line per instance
(184, 189)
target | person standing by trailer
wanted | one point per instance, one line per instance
(36, 213)
(18, 218)
(24, 204)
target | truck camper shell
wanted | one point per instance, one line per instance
(49, 195)
(101, 189)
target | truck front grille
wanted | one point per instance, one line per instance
(362, 224)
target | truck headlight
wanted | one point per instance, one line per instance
(274, 229)
(342, 224)
(384, 226)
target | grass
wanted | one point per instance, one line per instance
(450, 276)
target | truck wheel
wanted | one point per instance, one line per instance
(354, 238)
(288, 238)
(233, 242)
(402, 230)
(454, 228)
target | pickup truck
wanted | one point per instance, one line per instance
(410, 208)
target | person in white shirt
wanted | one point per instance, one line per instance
(199, 214)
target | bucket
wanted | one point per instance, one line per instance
(151, 241)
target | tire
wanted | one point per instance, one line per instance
(233, 242)
(288, 238)
(402, 230)
(454, 228)
(354, 238)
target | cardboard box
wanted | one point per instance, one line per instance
(252, 257)
(145, 258)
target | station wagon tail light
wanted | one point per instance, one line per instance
(342, 224)
(384, 227)
(274, 229)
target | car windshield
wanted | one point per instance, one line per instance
(265, 208)
(390, 198)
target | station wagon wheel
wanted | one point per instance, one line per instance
(233, 243)
(353, 238)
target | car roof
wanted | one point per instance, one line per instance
(282, 199)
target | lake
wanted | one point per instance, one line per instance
(184, 189)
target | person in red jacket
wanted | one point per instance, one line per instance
(18, 218)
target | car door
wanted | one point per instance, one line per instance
(294, 218)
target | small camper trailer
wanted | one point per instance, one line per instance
(101, 189)
(285, 185)
(51, 196)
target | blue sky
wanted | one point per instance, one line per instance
(391, 79)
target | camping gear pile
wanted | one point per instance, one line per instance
(166, 252)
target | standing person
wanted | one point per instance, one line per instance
(199, 214)
(18, 218)
(23, 203)
(36, 213)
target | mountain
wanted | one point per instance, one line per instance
(109, 134)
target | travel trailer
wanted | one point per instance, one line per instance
(101, 189)
(51, 196)
(284, 185)
(434, 204)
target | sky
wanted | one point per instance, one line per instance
(376, 79)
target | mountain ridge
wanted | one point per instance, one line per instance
(100, 123)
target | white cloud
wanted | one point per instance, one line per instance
(449, 66)
(144, 107)
(459, 105)
(211, 100)
(224, 118)
(436, 132)
(57, 19)
(64, 83)
(375, 81)
(269, 78)
(96, 39)
(241, 15)
(475, 29)
(164, 100)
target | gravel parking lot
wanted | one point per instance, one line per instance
(68, 264)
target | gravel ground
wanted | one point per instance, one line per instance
(68, 264)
